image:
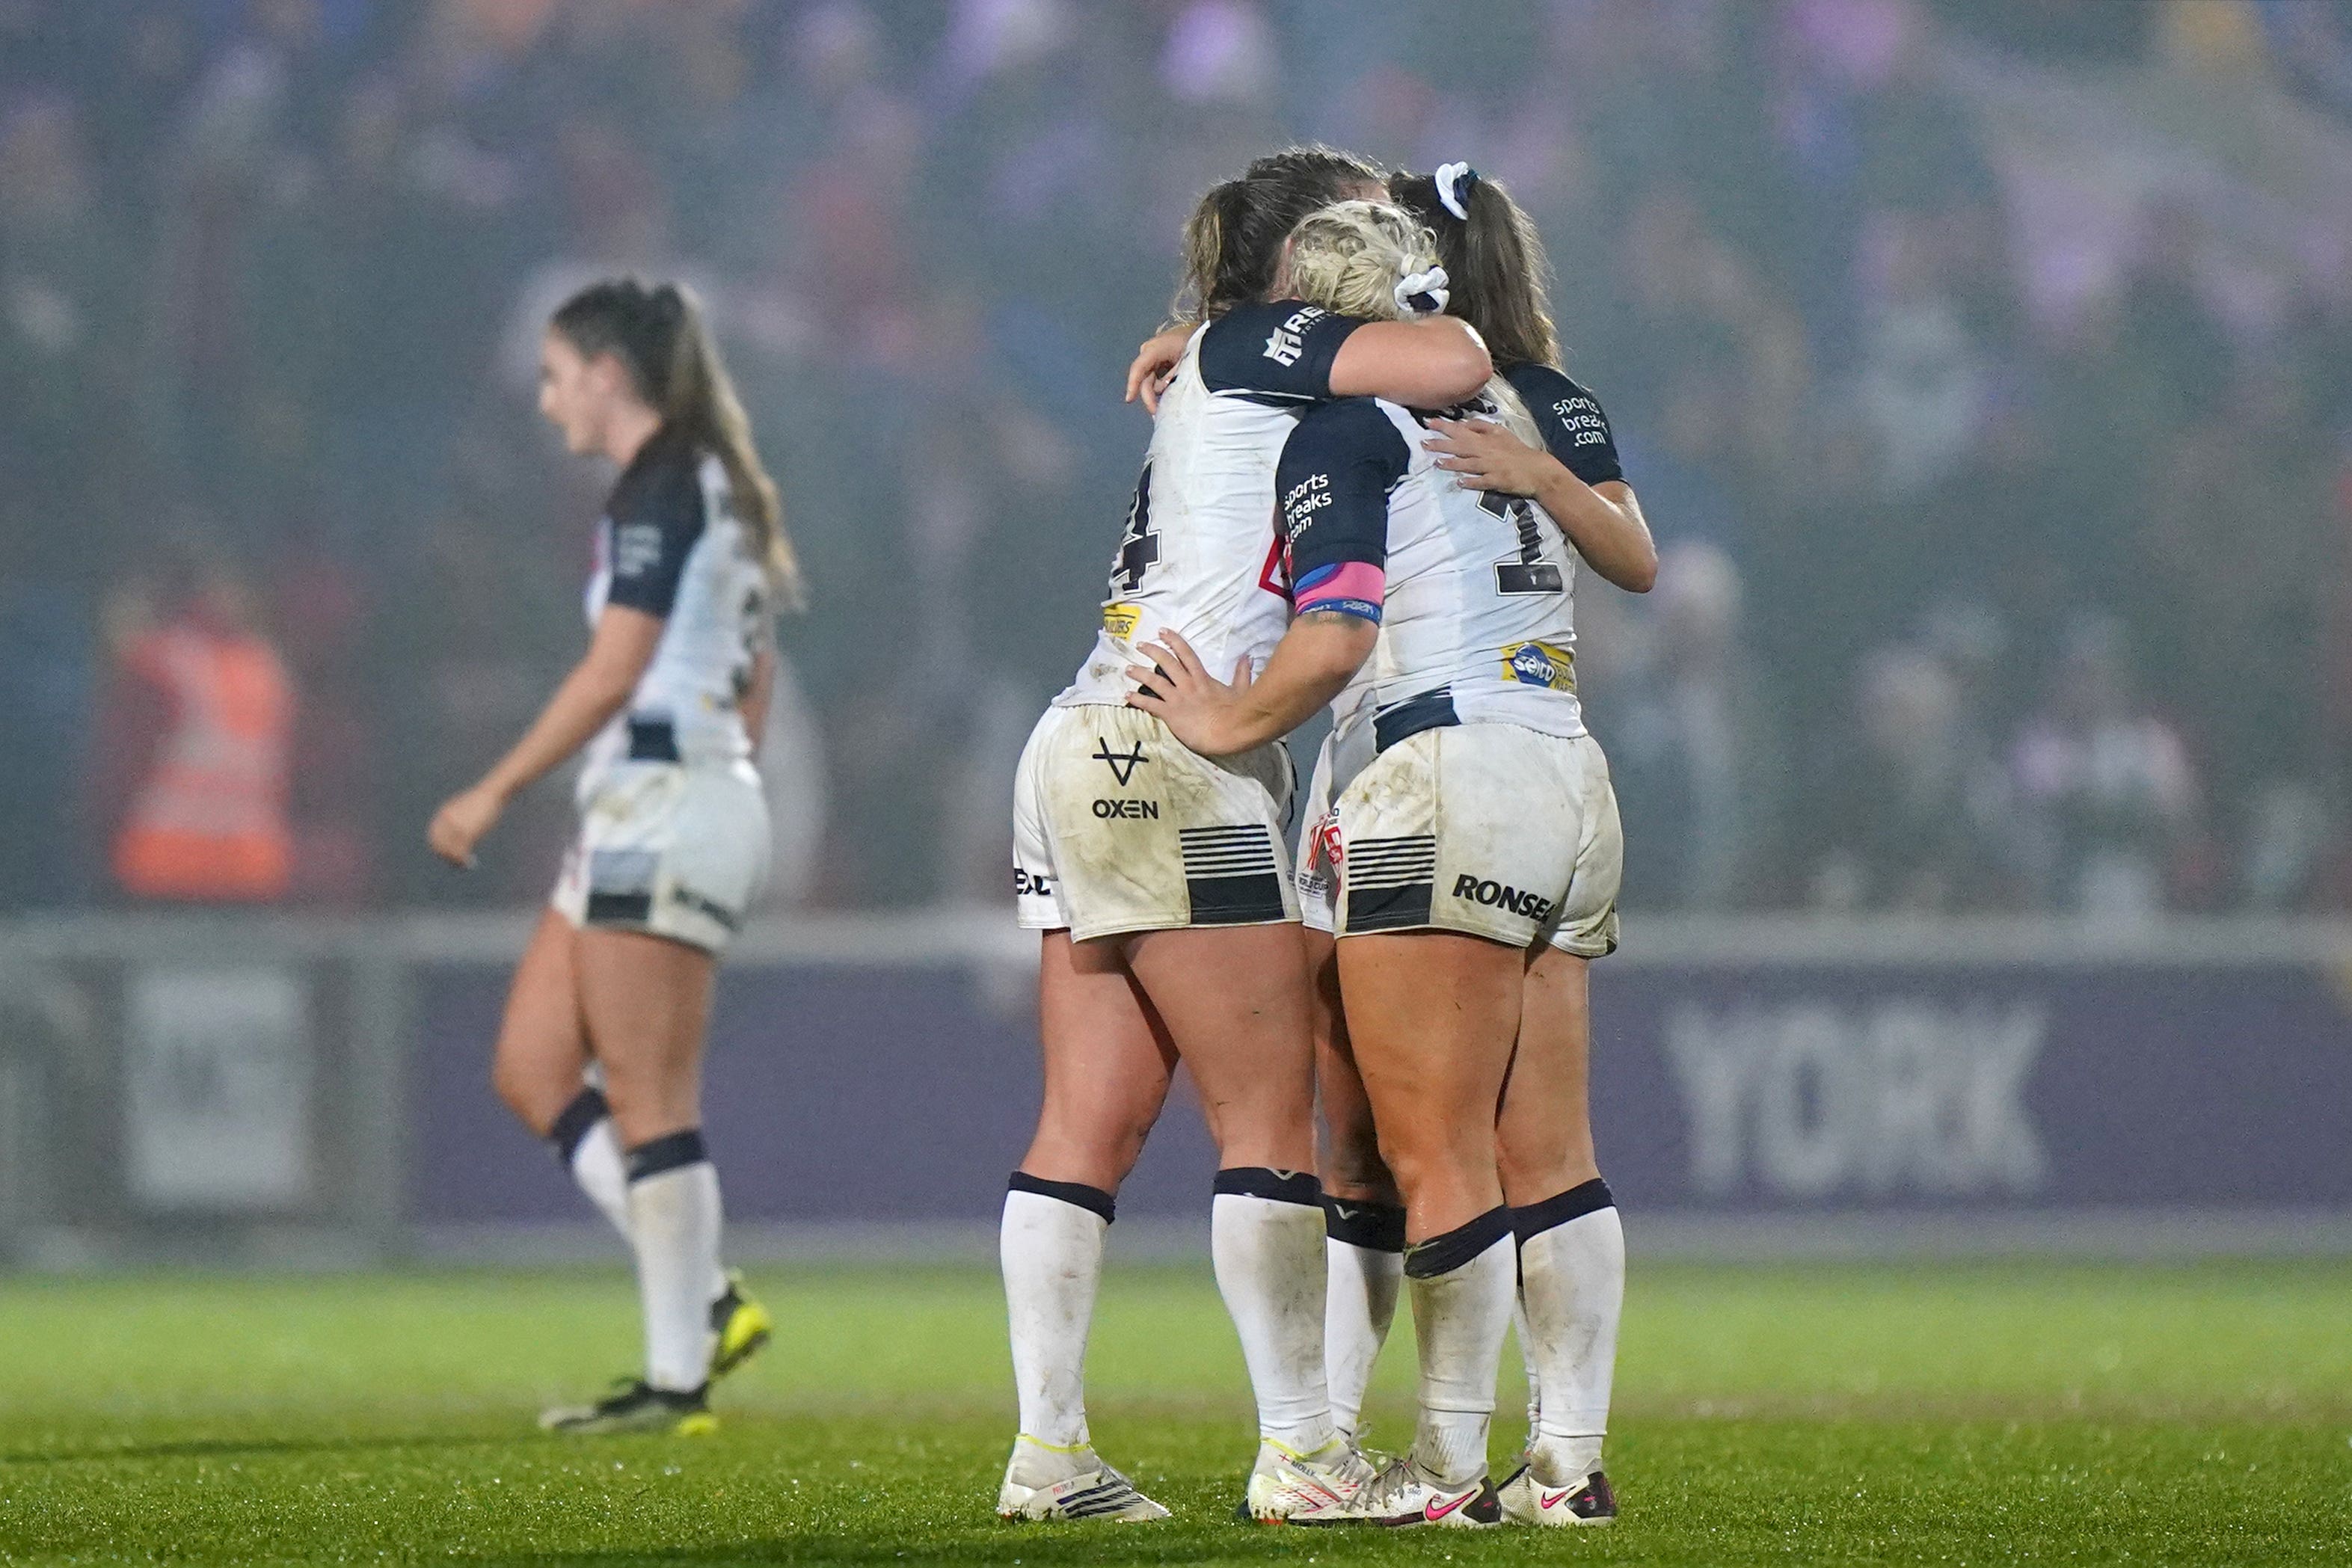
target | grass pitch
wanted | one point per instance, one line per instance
(1827, 1412)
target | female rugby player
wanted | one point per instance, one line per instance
(1480, 834)
(691, 555)
(1572, 1247)
(1159, 881)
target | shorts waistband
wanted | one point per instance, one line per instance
(1430, 710)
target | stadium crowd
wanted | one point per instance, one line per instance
(2004, 522)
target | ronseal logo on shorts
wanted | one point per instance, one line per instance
(1026, 881)
(1532, 906)
(1539, 664)
(1121, 620)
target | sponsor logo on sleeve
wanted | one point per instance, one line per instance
(1121, 620)
(1543, 664)
(636, 548)
(1288, 344)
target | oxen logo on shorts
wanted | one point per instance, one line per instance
(1122, 764)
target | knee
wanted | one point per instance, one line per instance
(528, 1092)
(1534, 1166)
(1096, 1148)
(1353, 1169)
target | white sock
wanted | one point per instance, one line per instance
(1527, 1357)
(603, 1175)
(1051, 1248)
(1575, 1271)
(1364, 1257)
(674, 1224)
(584, 1141)
(1265, 1237)
(1462, 1283)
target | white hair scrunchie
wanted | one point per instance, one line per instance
(1453, 183)
(1423, 293)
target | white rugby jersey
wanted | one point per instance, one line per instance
(1473, 590)
(671, 544)
(1199, 553)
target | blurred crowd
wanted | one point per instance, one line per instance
(1985, 369)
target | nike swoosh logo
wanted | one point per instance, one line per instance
(1433, 1513)
(1548, 1501)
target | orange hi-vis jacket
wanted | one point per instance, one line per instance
(209, 821)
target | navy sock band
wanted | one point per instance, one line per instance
(1282, 1186)
(1444, 1254)
(1375, 1226)
(667, 1153)
(1585, 1197)
(576, 1121)
(1093, 1199)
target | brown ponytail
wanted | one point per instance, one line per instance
(661, 337)
(1232, 241)
(1495, 265)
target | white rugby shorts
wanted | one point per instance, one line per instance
(1117, 826)
(671, 849)
(1485, 828)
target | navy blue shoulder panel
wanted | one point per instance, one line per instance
(1571, 421)
(1337, 468)
(657, 517)
(1278, 352)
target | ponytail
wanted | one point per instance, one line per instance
(662, 338)
(1232, 241)
(1495, 262)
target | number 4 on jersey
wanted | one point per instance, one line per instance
(1139, 546)
(1527, 571)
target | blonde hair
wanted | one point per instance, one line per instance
(1347, 256)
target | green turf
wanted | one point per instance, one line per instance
(1887, 1414)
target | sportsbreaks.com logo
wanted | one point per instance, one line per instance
(1496, 896)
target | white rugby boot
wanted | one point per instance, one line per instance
(1287, 1487)
(1528, 1499)
(1043, 1482)
(1404, 1495)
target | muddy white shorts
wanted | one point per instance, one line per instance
(1345, 752)
(671, 849)
(1117, 826)
(1485, 828)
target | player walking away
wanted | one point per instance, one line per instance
(615, 983)
(1158, 880)
(1480, 834)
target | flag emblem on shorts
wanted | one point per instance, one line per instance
(1386, 883)
(1232, 875)
(1539, 664)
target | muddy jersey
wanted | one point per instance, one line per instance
(1472, 590)
(1199, 553)
(670, 545)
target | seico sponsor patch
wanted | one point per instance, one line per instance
(1539, 664)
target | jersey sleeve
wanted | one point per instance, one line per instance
(656, 518)
(1337, 470)
(1573, 425)
(1280, 352)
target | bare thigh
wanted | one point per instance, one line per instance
(1108, 1064)
(1545, 1132)
(1350, 1158)
(1233, 998)
(1432, 1016)
(647, 1001)
(541, 1055)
